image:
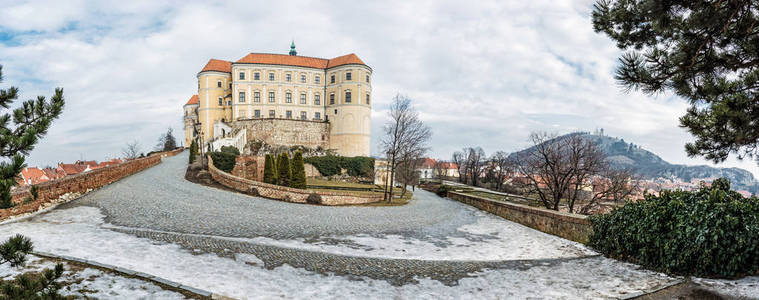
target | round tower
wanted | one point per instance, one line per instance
(348, 107)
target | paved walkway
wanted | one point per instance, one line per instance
(242, 246)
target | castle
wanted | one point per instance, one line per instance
(283, 100)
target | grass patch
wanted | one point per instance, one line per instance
(328, 183)
(395, 201)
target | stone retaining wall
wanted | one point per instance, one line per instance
(80, 183)
(272, 191)
(566, 225)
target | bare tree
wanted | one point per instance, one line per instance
(613, 184)
(406, 136)
(502, 167)
(132, 150)
(562, 168)
(408, 172)
(440, 169)
(458, 159)
(474, 164)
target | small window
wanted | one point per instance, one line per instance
(230, 85)
(367, 99)
(272, 114)
(348, 97)
(317, 79)
(257, 113)
(257, 97)
(257, 76)
(271, 97)
(271, 76)
(303, 115)
(288, 77)
(303, 78)
(331, 98)
(317, 116)
(288, 97)
(303, 98)
(335, 111)
(289, 114)
(242, 75)
(229, 102)
(218, 83)
(221, 101)
(317, 99)
(367, 78)
(332, 78)
(242, 97)
(348, 76)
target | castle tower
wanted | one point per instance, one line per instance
(349, 107)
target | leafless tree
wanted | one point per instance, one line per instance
(406, 136)
(502, 167)
(132, 150)
(613, 184)
(458, 159)
(474, 164)
(440, 169)
(408, 172)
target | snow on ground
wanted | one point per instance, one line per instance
(744, 288)
(490, 238)
(92, 283)
(78, 232)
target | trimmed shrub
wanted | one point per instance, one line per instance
(442, 191)
(269, 171)
(283, 170)
(330, 165)
(230, 149)
(709, 232)
(193, 150)
(223, 161)
(298, 171)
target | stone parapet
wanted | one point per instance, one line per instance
(566, 225)
(288, 194)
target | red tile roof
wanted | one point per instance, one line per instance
(33, 176)
(299, 61)
(53, 173)
(193, 100)
(218, 65)
(111, 162)
(71, 169)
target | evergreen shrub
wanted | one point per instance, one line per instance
(223, 161)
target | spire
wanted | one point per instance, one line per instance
(292, 49)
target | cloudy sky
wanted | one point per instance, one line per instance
(481, 73)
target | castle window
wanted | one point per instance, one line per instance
(303, 78)
(317, 79)
(221, 101)
(367, 78)
(242, 97)
(218, 83)
(272, 114)
(303, 98)
(289, 114)
(367, 99)
(317, 116)
(257, 97)
(317, 99)
(230, 85)
(288, 97)
(271, 97)
(348, 76)
(347, 97)
(332, 78)
(257, 76)
(303, 115)
(288, 77)
(271, 76)
(331, 98)
(257, 113)
(242, 75)
(229, 102)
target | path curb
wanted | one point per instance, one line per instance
(644, 293)
(201, 293)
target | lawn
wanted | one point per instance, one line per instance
(328, 183)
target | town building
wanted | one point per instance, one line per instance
(283, 100)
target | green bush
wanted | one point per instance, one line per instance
(193, 151)
(298, 171)
(283, 170)
(270, 174)
(709, 232)
(330, 165)
(442, 191)
(223, 161)
(230, 149)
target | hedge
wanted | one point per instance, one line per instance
(710, 232)
(223, 161)
(330, 165)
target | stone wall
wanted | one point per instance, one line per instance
(566, 225)
(288, 194)
(286, 132)
(80, 183)
(249, 167)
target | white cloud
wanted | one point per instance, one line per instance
(482, 73)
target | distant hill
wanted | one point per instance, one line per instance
(651, 166)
